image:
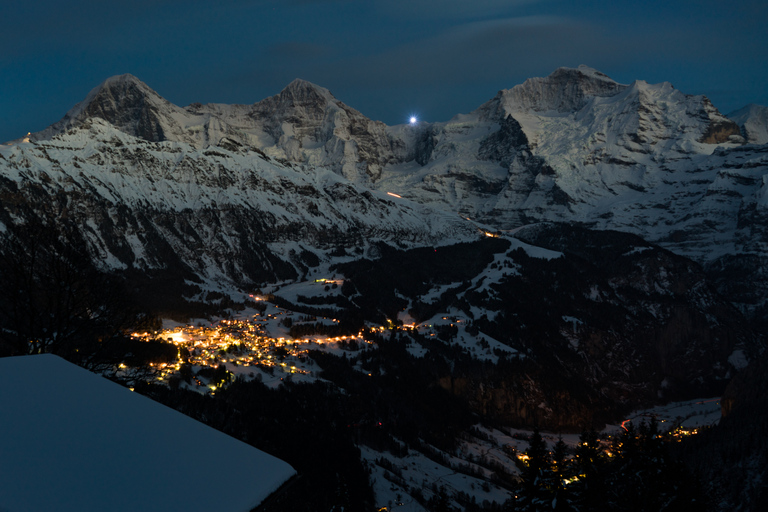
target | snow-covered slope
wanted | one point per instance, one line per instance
(565, 147)
(753, 120)
(304, 123)
(578, 147)
(73, 440)
(224, 212)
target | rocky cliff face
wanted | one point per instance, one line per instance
(566, 90)
(126, 103)
(309, 125)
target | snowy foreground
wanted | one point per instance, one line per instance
(73, 441)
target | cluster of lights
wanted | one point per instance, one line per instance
(235, 343)
(679, 433)
(243, 343)
(246, 342)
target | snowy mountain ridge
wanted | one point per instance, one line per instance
(303, 123)
(216, 208)
(575, 146)
(560, 148)
(565, 90)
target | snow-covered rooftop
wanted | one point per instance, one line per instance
(71, 440)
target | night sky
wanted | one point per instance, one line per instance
(386, 58)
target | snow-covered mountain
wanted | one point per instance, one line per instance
(511, 231)
(223, 212)
(578, 147)
(129, 105)
(753, 120)
(568, 147)
(304, 123)
(575, 146)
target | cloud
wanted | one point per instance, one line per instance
(478, 52)
(448, 8)
(305, 2)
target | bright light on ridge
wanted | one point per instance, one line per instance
(413, 120)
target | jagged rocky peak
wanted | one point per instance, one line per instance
(299, 100)
(125, 102)
(565, 90)
(125, 85)
(310, 125)
(661, 112)
(753, 121)
(301, 90)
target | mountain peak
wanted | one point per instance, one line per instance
(124, 78)
(119, 88)
(564, 90)
(124, 101)
(299, 99)
(302, 90)
(582, 70)
(300, 83)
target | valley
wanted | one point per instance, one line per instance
(479, 470)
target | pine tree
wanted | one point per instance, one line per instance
(643, 477)
(561, 469)
(559, 457)
(588, 492)
(539, 481)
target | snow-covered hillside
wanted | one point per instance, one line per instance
(526, 263)
(224, 212)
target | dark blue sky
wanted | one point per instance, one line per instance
(386, 58)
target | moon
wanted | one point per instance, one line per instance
(413, 120)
